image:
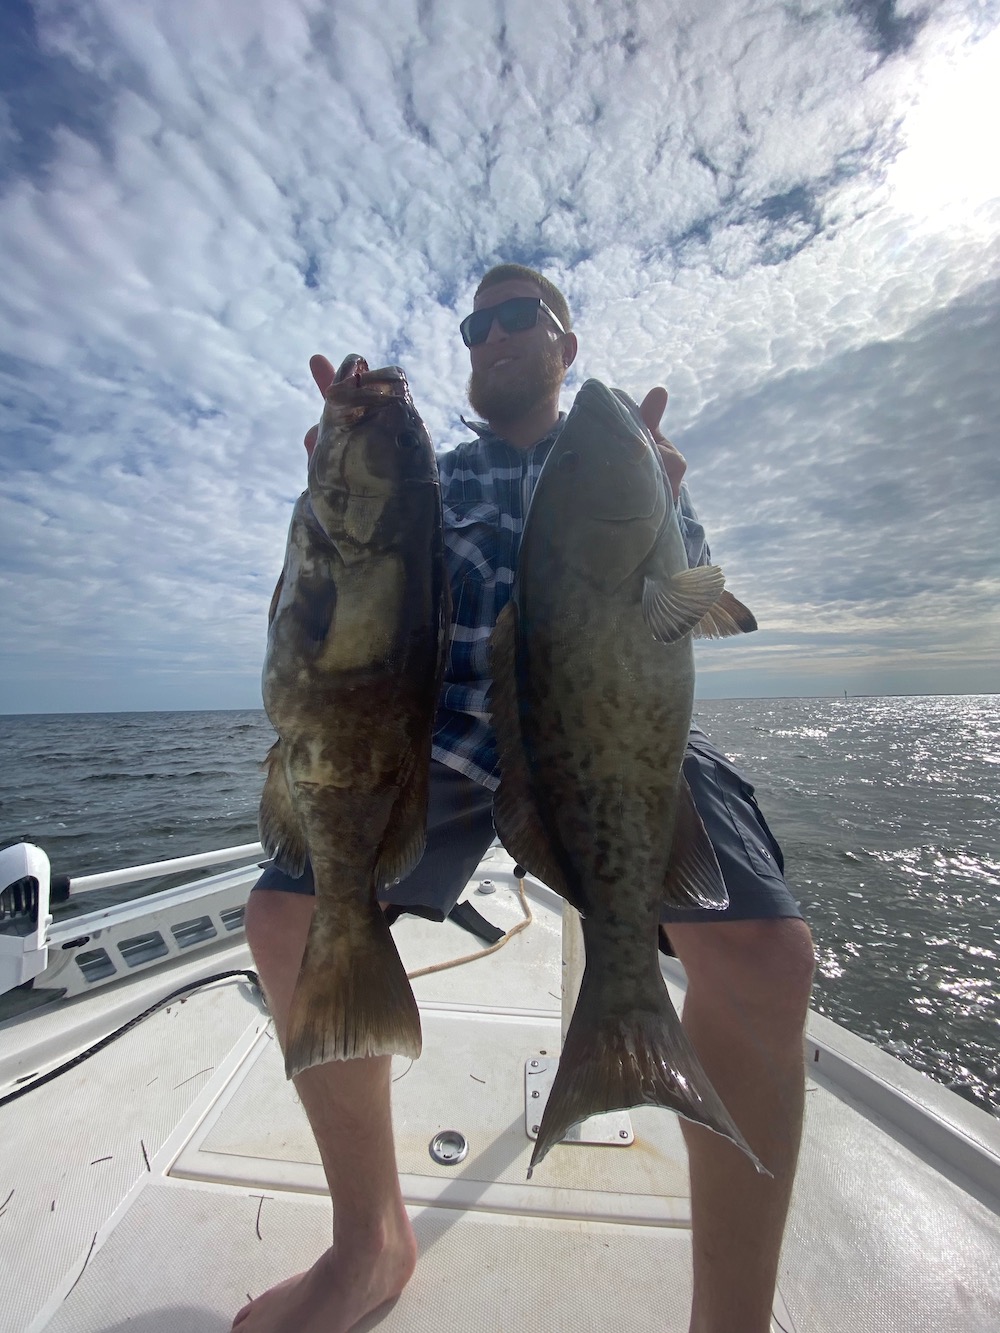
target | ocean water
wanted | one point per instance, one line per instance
(886, 809)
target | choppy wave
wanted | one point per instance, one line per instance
(887, 820)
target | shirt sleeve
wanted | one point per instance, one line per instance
(695, 541)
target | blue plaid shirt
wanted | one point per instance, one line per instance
(486, 485)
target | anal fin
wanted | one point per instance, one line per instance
(693, 875)
(279, 826)
(403, 844)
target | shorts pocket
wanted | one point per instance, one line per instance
(734, 820)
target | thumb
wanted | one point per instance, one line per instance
(322, 372)
(652, 408)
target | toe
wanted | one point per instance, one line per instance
(242, 1314)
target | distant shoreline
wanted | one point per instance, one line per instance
(713, 699)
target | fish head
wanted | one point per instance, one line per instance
(371, 449)
(604, 481)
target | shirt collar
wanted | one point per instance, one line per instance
(486, 432)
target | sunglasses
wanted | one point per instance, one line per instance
(515, 315)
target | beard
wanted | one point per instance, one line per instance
(506, 401)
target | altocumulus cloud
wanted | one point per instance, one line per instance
(788, 214)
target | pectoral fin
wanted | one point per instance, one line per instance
(515, 815)
(693, 875)
(673, 606)
(728, 616)
(280, 830)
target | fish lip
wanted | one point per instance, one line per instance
(373, 495)
(612, 405)
(408, 484)
(369, 388)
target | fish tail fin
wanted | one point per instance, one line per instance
(352, 998)
(638, 1054)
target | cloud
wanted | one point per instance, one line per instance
(194, 197)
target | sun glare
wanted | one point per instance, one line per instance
(949, 168)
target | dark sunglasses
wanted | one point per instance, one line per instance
(515, 315)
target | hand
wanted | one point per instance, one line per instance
(324, 374)
(674, 463)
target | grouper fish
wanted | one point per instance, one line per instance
(593, 684)
(357, 633)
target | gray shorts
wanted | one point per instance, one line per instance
(460, 829)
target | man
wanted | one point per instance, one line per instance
(749, 968)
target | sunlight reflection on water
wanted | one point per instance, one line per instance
(885, 809)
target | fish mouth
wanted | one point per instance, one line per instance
(409, 484)
(357, 387)
(605, 426)
(613, 410)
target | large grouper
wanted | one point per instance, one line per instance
(593, 685)
(358, 630)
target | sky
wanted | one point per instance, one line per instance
(788, 214)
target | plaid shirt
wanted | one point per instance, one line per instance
(486, 485)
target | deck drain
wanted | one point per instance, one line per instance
(449, 1147)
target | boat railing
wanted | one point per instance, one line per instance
(109, 879)
(74, 952)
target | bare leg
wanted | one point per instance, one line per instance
(748, 992)
(348, 1104)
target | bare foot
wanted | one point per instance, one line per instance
(339, 1290)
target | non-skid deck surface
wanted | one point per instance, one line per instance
(470, 1078)
(487, 1273)
(76, 1149)
(879, 1240)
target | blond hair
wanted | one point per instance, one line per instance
(551, 294)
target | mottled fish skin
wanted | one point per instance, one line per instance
(355, 651)
(592, 695)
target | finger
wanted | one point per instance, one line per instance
(312, 435)
(323, 372)
(653, 407)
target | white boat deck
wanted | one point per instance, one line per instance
(156, 1185)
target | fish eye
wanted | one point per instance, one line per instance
(408, 439)
(568, 462)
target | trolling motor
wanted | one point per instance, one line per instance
(24, 913)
